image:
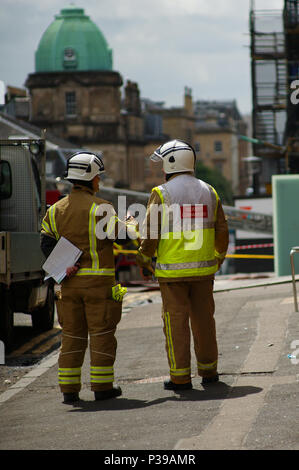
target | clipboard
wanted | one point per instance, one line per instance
(64, 255)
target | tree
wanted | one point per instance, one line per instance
(213, 177)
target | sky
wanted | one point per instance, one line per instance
(163, 45)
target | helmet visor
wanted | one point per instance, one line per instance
(156, 156)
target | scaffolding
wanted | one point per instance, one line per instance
(269, 80)
(291, 31)
(274, 68)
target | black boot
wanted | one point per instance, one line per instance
(169, 385)
(210, 380)
(70, 397)
(106, 394)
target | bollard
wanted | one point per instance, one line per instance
(2, 353)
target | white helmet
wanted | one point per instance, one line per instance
(84, 166)
(177, 156)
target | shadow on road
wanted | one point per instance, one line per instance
(219, 391)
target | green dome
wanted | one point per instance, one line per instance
(72, 42)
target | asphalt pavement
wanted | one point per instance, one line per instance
(254, 406)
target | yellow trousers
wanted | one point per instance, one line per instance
(185, 303)
(86, 312)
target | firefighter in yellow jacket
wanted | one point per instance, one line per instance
(87, 305)
(185, 228)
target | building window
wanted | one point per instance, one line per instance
(153, 125)
(70, 104)
(218, 146)
(197, 147)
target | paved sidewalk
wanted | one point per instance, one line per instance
(254, 406)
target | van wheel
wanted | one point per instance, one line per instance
(6, 320)
(43, 318)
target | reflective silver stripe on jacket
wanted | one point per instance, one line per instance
(192, 265)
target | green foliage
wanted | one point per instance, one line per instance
(213, 177)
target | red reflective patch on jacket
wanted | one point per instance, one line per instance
(192, 211)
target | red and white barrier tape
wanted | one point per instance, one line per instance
(246, 247)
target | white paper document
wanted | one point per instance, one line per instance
(64, 255)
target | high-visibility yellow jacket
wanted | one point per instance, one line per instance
(186, 228)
